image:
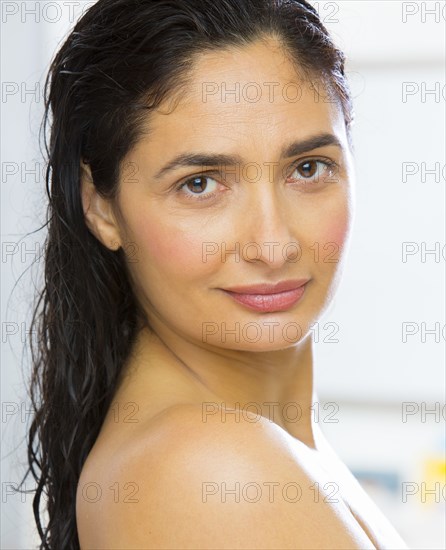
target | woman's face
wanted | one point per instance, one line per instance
(280, 212)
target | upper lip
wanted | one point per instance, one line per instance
(268, 288)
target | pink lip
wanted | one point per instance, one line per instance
(268, 288)
(267, 297)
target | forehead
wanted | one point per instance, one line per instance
(250, 95)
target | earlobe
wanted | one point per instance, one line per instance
(98, 212)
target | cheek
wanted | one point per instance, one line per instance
(326, 239)
(169, 251)
(337, 231)
(338, 224)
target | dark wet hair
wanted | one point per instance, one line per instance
(121, 60)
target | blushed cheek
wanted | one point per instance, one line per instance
(333, 236)
(337, 231)
(341, 223)
(171, 252)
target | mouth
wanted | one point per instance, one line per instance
(269, 298)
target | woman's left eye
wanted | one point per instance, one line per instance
(312, 170)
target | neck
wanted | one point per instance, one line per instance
(277, 385)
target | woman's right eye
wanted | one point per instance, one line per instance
(196, 186)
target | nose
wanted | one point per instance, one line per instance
(269, 218)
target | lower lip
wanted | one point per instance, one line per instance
(269, 302)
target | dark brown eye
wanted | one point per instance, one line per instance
(199, 188)
(312, 171)
(196, 185)
(308, 168)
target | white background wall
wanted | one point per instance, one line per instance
(372, 373)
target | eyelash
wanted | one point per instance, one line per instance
(329, 165)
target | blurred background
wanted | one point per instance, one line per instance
(380, 347)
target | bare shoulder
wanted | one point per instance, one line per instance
(211, 478)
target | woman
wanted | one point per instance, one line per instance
(201, 185)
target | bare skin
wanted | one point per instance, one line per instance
(179, 373)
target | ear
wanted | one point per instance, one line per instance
(98, 212)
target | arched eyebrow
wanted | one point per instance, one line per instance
(292, 149)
